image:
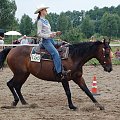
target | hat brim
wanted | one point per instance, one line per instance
(40, 9)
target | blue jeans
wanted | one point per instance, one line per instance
(49, 46)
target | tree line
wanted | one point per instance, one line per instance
(75, 25)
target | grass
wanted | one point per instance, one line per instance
(95, 62)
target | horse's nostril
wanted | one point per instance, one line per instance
(110, 70)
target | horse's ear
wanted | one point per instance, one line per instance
(104, 40)
(109, 41)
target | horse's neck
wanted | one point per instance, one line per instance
(85, 59)
(82, 53)
(81, 60)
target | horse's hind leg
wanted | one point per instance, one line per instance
(18, 90)
(10, 84)
(68, 93)
(18, 84)
(81, 83)
(15, 85)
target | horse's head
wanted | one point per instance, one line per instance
(104, 55)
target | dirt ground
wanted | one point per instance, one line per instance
(47, 100)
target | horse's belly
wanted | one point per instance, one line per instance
(43, 70)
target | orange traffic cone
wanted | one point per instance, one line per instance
(94, 86)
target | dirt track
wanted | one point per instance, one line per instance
(47, 100)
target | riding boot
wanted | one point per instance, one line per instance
(60, 76)
(66, 72)
(63, 75)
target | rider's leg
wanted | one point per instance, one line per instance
(48, 44)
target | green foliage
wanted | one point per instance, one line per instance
(110, 25)
(87, 27)
(64, 23)
(95, 62)
(53, 19)
(34, 29)
(95, 14)
(73, 35)
(76, 26)
(115, 62)
(7, 13)
(75, 17)
(26, 25)
(117, 10)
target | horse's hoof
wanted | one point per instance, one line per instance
(73, 107)
(14, 103)
(102, 108)
(24, 103)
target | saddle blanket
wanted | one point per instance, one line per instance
(38, 53)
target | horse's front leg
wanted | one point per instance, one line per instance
(68, 93)
(81, 83)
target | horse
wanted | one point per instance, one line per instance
(18, 60)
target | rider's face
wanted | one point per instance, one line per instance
(44, 12)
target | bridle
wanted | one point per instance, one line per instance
(106, 52)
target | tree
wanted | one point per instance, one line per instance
(74, 35)
(26, 25)
(117, 10)
(87, 27)
(53, 19)
(110, 25)
(7, 13)
(64, 23)
(75, 17)
(95, 14)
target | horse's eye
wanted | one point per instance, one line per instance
(106, 55)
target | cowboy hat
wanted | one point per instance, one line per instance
(41, 8)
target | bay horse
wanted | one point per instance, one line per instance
(18, 60)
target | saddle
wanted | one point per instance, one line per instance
(40, 50)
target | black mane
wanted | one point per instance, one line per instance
(84, 48)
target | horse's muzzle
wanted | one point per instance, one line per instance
(108, 68)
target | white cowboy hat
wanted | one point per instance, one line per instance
(41, 8)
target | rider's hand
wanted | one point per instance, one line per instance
(58, 33)
(64, 43)
(52, 35)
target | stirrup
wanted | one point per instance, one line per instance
(65, 73)
(60, 76)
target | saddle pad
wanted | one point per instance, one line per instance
(37, 54)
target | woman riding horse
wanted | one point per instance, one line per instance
(18, 59)
(47, 37)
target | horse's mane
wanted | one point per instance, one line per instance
(84, 48)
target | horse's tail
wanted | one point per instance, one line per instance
(3, 55)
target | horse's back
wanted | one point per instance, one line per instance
(19, 52)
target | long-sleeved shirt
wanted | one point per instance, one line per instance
(43, 28)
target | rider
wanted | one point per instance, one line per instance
(44, 33)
